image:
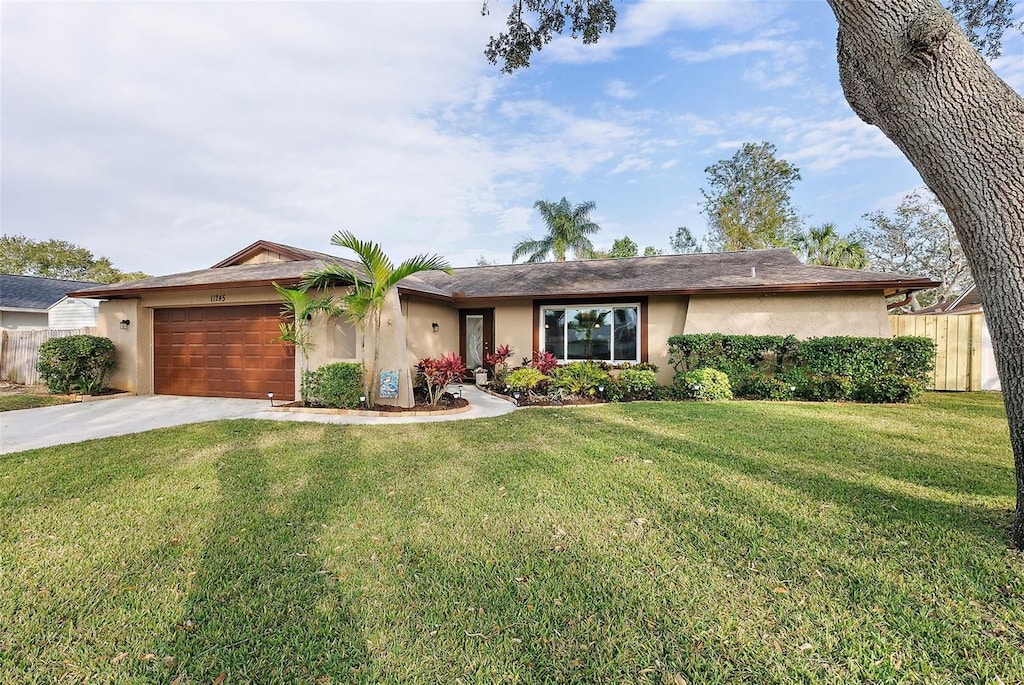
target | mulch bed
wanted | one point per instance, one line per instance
(454, 403)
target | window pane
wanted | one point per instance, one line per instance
(590, 333)
(625, 334)
(554, 332)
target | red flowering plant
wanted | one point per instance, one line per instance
(544, 362)
(436, 374)
(499, 357)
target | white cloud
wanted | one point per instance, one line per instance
(643, 22)
(619, 89)
(782, 67)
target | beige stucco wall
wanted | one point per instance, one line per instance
(513, 326)
(423, 341)
(805, 315)
(666, 317)
(133, 346)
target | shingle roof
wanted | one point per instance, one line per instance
(774, 270)
(777, 269)
(35, 292)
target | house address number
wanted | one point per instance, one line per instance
(218, 298)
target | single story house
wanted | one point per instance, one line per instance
(210, 332)
(36, 303)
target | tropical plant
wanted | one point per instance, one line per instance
(544, 362)
(370, 285)
(568, 228)
(525, 380)
(499, 357)
(581, 378)
(438, 373)
(297, 309)
(822, 245)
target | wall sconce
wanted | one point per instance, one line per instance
(435, 326)
(125, 323)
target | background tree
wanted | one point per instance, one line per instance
(624, 247)
(57, 259)
(747, 201)
(568, 229)
(683, 242)
(906, 67)
(370, 286)
(822, 245)
(651, 251)
(918, 238)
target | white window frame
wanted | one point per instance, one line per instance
(542, 340)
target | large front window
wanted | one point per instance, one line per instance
(605, 333)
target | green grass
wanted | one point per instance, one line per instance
(14, 402)
(734, 542)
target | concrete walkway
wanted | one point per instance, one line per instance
(27, 429)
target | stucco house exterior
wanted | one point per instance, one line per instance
(36, 303)
(209, 332)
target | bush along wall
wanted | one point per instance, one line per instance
(78, 363)
(819, 369)
(338, 386)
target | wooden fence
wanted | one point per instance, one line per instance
(958, 346)
(19, 352)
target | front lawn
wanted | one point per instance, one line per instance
(13, 402)
(645, 542)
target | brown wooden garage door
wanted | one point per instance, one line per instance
(222, 352)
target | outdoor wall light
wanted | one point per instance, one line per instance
(270, 396)
(125, 323)
(435, 326)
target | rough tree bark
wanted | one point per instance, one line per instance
(906, 68)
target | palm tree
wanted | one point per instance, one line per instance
(568, 228)
(370, 285)
(822, 245)
(297, 309)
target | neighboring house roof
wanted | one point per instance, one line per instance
(34, 292)
(968, 303)
(723, 272)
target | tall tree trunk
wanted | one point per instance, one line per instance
(906, 68)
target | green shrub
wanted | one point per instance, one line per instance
(581, 378)
(866, 358)
(639, 366)
(735, 355)
(75, 361)
(764, 386)
(703, 384)
(333, 385)
(888, 388)
(826, 388)
(635, 383)
(525, 379)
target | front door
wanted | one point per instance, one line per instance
(476, 336)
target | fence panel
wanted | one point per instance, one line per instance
(957, 346)
(19, 352)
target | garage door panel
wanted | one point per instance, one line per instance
(221, 352)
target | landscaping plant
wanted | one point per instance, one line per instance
(333, 385)
(582, 379)
(526, 380)
(703, 384)
(76, 362)
(436, 374)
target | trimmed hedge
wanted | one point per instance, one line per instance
(822, 369)
(338, 386)
(76, 362)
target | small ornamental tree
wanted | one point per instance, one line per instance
(438, 373)
(499, 357)
(545, 362)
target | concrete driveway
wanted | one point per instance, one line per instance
(27, 429)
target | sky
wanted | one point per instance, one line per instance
(169, 135)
